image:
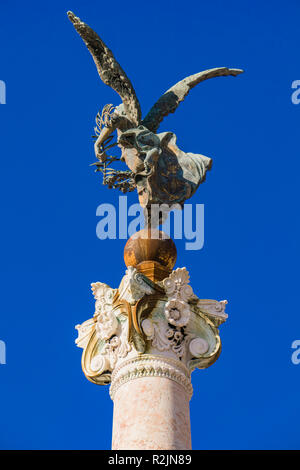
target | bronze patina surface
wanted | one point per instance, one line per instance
(161, 172)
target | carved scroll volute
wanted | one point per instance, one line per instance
(95, 365)
(208, 316)
(142, 311)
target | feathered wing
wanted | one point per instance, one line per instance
(170, 100)
(108, 68)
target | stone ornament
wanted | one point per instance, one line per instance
(106, 322)
(134, 286)
(150, 366)
(145, 329)
(213, 309)
(198, 346)
(179, 291)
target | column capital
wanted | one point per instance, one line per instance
(146, 328)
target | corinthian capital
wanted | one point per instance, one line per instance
(146, 328)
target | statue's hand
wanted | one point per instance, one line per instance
(102, 156)
(102, 138)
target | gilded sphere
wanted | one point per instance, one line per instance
(150, 245)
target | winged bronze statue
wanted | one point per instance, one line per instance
(160, 171)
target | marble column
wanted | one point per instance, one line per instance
(145, 339)
(151, 406)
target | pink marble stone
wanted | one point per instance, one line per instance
(151, 413)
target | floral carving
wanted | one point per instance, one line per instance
(177, 343)
(177, 312)
(179, 292)
(134, 286)
(106, 321)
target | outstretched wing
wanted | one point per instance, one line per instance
(170, 100)
(108, 68)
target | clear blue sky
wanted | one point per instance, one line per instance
(249, 399)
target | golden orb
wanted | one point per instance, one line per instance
(151, 247)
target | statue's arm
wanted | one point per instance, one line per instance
(105, 133)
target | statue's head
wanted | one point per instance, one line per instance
(139, 138)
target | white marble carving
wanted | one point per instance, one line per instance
(106, 322)
(214, 309)
(151, 366)
(198, 346)
(177, 330)
(148, 328)
(179, 292)
(134, 286)
(117, 347)
(84, 332)
(99, 363)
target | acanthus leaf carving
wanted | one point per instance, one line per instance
(134, 286)
(214, 309)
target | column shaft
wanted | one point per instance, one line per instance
(151, 413)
